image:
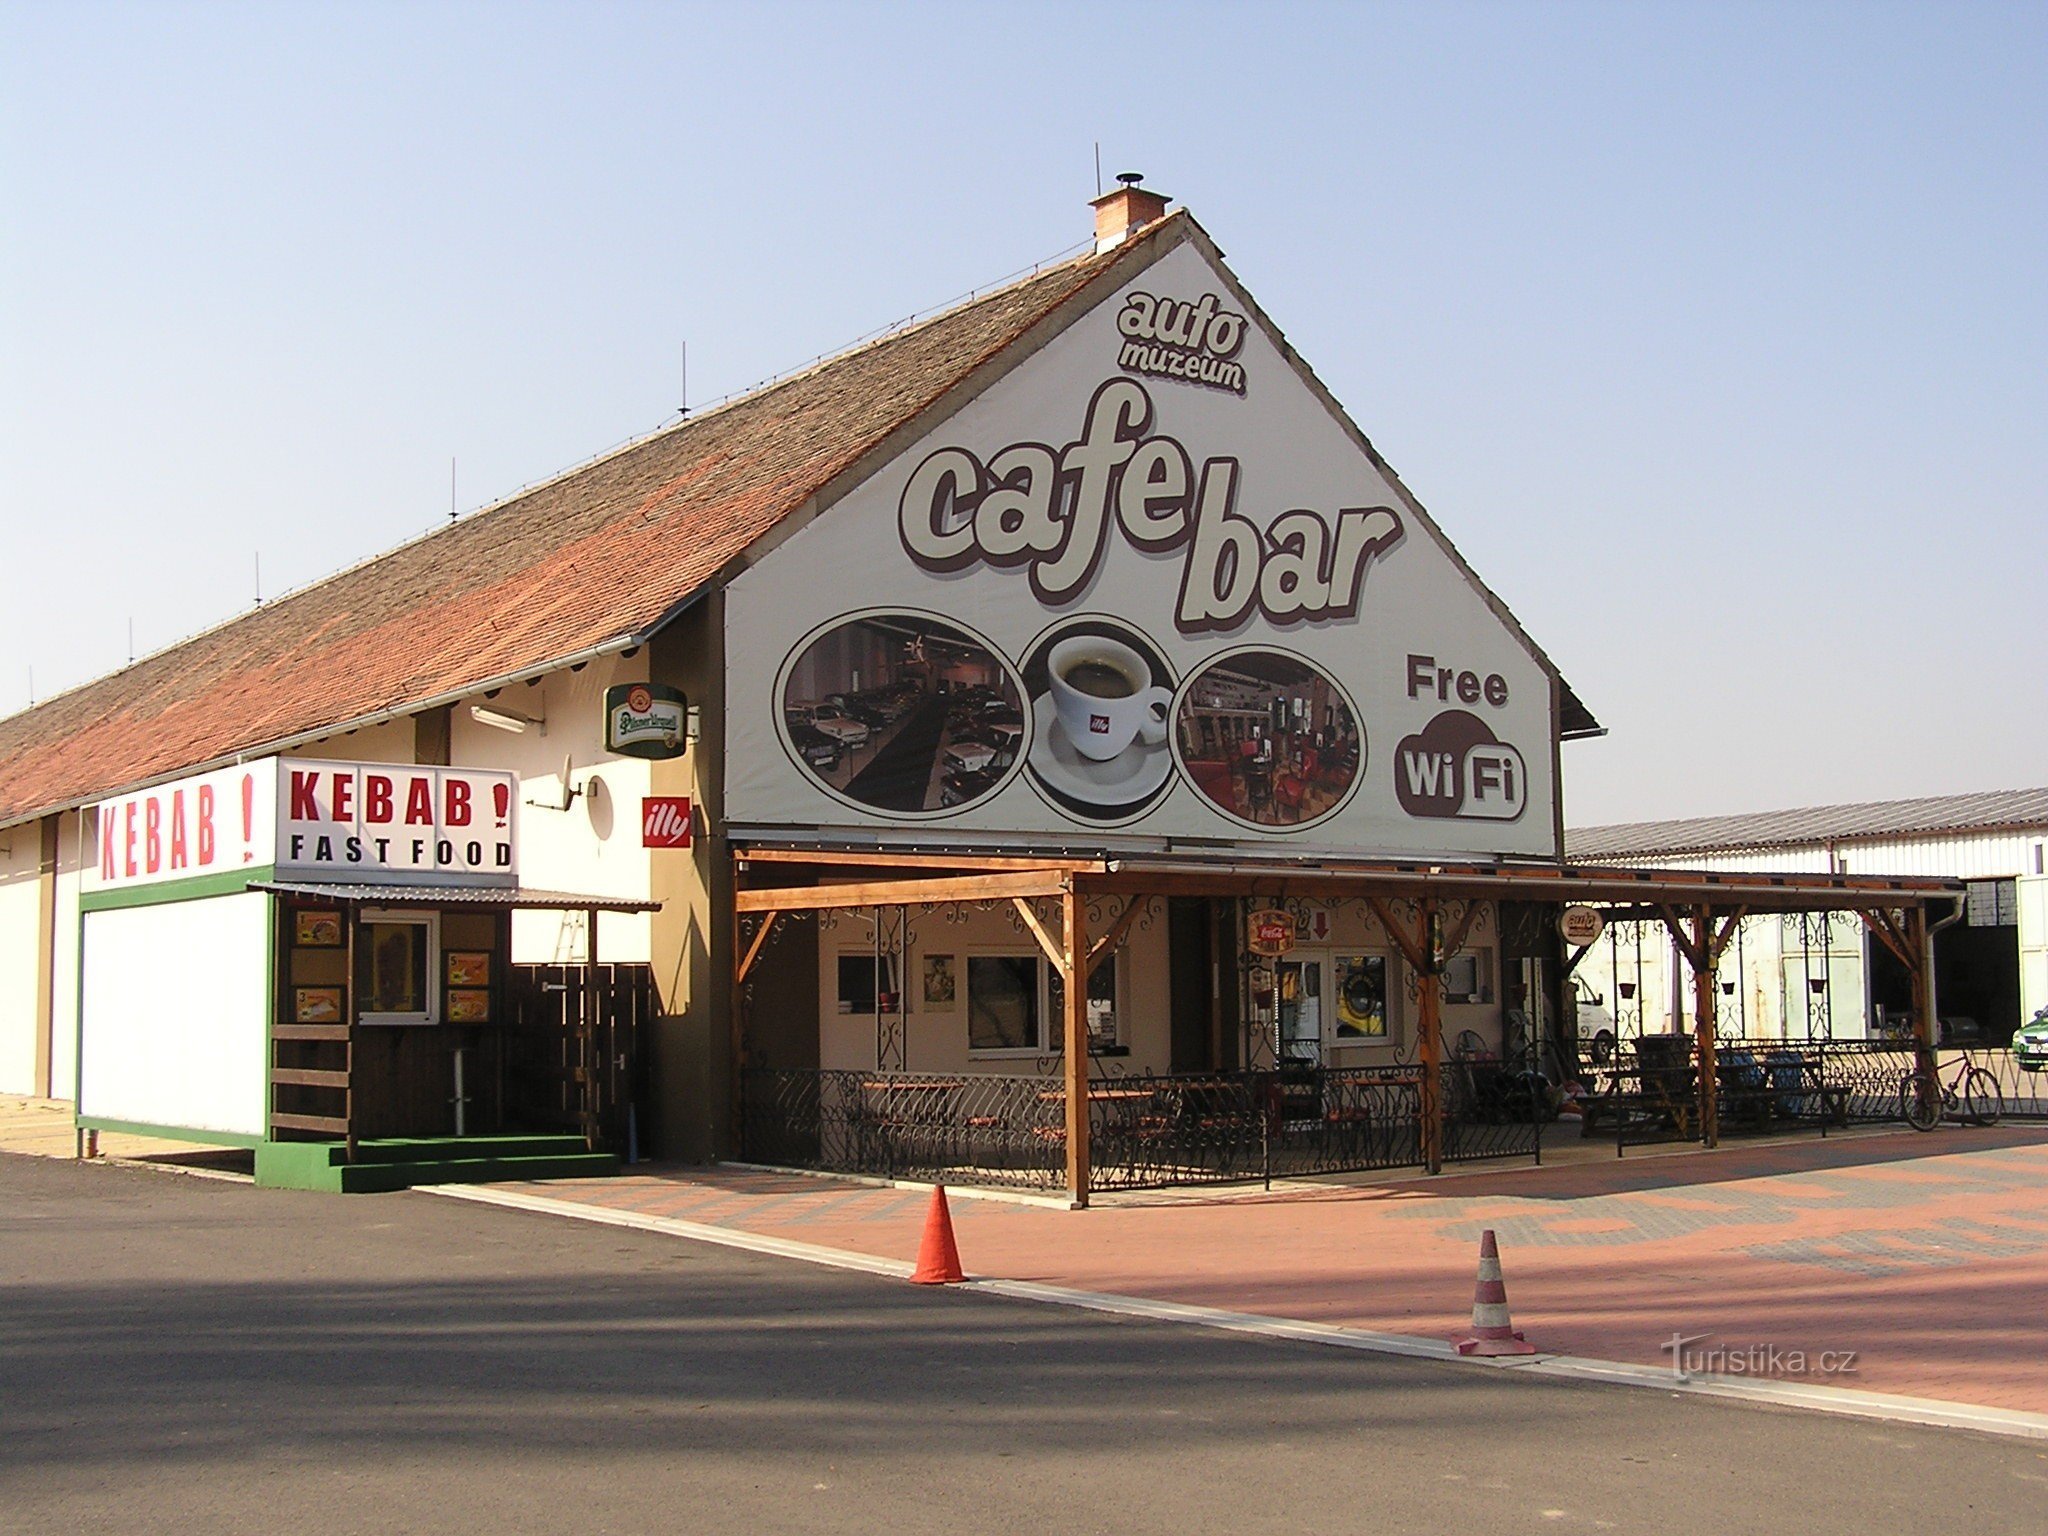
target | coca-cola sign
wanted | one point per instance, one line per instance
(665, 821)
(1269, 931)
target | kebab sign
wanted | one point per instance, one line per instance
(364, 823)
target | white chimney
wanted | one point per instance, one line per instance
(1129, 208)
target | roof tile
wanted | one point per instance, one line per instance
(593, 557)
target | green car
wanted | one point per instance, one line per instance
(2030, 1045)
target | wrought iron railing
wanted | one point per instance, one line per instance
(2024, 1094)
(976, 1128)
(1145, 1131)
(1494, 1109)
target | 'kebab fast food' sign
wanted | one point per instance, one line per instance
(356, 822)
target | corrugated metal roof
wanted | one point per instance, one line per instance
(1818, 825)
(523, 897)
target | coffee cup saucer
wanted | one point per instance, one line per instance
(1132, 776)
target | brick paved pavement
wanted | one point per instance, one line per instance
(1926, 1255)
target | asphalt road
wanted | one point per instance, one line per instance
(195, 1356)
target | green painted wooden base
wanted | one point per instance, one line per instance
(400, 1164)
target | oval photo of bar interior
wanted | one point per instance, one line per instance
(1268, 739)
(904, 713)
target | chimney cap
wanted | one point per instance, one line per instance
(1129, 207)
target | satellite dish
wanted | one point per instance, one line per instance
(568, 795)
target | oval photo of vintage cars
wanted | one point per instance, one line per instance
(1268, 739)
(904, 713)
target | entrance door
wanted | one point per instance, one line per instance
(1301, 978)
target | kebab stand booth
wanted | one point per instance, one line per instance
(311, 959)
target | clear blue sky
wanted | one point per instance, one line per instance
(1715, 335)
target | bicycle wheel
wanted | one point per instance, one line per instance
(1919, 1102)
(1983, 1104)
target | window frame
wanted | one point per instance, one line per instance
(976, 952)
(881, 964)
(430, 920)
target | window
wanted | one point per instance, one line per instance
(1105, 1032)
(865, 981)
(1468, 977)
(1017, 1003)
(398, 958)
(1005, 1003)
(1361, 997)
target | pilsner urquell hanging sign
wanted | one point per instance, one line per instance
(645, 720)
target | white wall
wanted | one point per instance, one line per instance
(593, 848)
(176, 1014)
(2033, 896)
(75, 845)
(938, 1037)
(391, 742)
(20, 932)
(1956, 856)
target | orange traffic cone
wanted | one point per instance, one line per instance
(1493, 1332)
(938, 1257)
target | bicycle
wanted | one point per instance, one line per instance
(1973, 1096)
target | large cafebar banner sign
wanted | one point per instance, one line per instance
(1147, 583)
(350, 823)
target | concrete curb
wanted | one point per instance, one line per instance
(1785, 1394)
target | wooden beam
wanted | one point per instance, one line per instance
(903, 893)
(309, 1032)
(351, 921)
(1926, 1028)
(326, 1125)
(1703, 1005)
(1103, 946)
(1049, 946)
(1406, 943)
(746, 964)
(1674, 924)
(308, 1077)
(1727, 932)
(1429, 992)
(1073, 964)
(894, 859)
(1880, 922)
(1454, 941)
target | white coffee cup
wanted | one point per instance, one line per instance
(1104, 694)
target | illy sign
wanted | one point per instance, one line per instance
(665, 821)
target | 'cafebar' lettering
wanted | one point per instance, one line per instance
(1049, 510)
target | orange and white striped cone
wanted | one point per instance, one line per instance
(1493, 1331)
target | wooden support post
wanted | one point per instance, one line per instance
(1926, 1028)
(1704, 953)
(352, 920)
(1074, 1027)
(1429, 994)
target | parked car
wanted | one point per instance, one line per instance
(2030, 1045)
(835, 722)
(968, 755)
(960, 787)
(814, 746)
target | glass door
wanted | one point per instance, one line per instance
(1300, 980)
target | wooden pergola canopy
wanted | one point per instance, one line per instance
(903, 876)
(1699, 907)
